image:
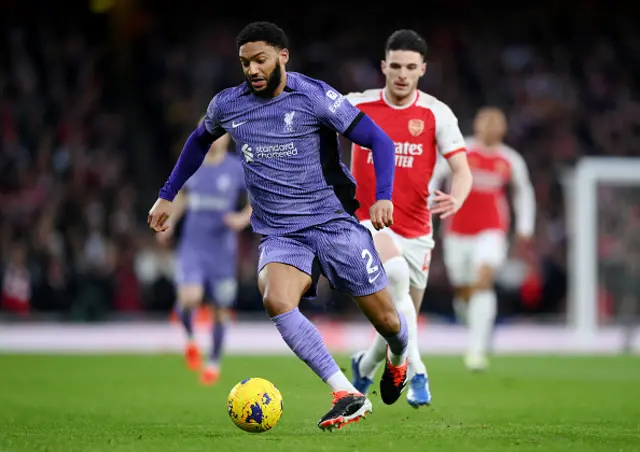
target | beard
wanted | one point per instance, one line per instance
(272, 83)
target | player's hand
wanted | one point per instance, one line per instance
(235, 220)
(164, 237)
(381, 214)
(159, 214)
(444, 204)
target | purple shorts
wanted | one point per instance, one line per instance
(219, 283)
(342, 250)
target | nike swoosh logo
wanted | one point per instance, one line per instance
(234, 124)
(374, 278)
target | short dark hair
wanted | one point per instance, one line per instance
(406, 40)
(263, 31)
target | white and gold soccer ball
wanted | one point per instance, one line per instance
(255, 405)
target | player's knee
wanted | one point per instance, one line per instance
(281, 287)
(188, 302)
(276, 304)
(383, 314)
(190, 297)
(221, 315)
(388, 323)
(397, 270)
(485, 278)
(463, 292)
(386, 247)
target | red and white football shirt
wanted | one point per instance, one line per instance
(421, 131)
(486, 208)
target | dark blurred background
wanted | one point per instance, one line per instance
(97, 98)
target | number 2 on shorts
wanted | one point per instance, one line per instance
(371, 269)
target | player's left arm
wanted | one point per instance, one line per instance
(195, 149)
(452, 147)
(338, 113)
(523, 198)
(239, 220)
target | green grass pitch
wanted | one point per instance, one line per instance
(152, 403)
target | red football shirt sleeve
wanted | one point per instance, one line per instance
(449, 139)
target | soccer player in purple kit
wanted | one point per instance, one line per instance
(284, 125)
(207, 247)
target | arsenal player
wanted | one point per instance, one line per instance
(475, 241)
(422, 128)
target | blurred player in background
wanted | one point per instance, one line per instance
(475, 241)
(422, 128)
(284, 125)
(206, 251)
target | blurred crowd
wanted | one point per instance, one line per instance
(76, 106)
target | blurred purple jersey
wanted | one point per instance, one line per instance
(290, 152)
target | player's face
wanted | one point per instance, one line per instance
(490, 125)
(262, 65)
(403, 69)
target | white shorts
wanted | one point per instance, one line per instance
(416, 251)
(465, 254)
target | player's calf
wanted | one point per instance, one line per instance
(394, 377)
(461, 298)
(211, 372)
(391, 325)
(481, 317)
(218, 334)
(189, 298)
(381, 312)
(280, 285)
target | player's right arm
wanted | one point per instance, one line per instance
(368, 134)
(524, 204)
(191, 157)
(452, 146)
(441, 172)
(461, 180)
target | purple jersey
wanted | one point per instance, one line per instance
(290, 151)
(212, 192)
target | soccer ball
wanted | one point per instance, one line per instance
(255, 405)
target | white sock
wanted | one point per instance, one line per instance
(373, 357)
(340, 382)
(461, 309)
(416, 366)
(397, 271)
(481, 316)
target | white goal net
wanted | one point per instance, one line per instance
(603, 220)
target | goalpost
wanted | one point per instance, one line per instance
(582, 215)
